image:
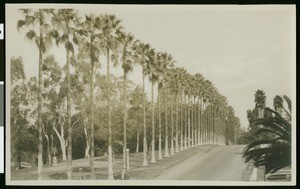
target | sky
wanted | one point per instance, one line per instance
(239, 48)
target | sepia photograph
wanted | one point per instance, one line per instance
(191, 95)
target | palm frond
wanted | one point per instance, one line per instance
(25, 11)
(267, 130)
(29, 20)
(278, 118)
(31, 34)
(20, 24)
(288, 101)
(268, 123)
(257, 153)
(256, 143)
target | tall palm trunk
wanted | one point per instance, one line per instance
(186, 122)
(181, 122)
(208, 123)
(40, 129)
(205, 123)
(137, 140)
(199, 120)
(159, 125)
(145, 161)
(92, 167)
(110, 158)
(192, 122)
(224, 129)
(69, 147)
(189, 123)
(176, 123)
(221, 127)
(218, 127)
(124, 126)
(166, 125)
(213, 124)
(172, 126)
(196, 121)
(202, 122)
(153, 160)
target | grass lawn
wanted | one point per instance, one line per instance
(136, 171)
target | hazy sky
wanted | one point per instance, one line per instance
(239, 48)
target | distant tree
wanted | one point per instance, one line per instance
(136, 112)
(52, 76)
(260, 102)
(23, 129)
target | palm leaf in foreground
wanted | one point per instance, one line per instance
(275, 152)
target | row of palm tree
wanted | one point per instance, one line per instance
(199, 109)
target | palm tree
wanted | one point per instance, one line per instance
(223, 118)
(199, 93)
(186, 109)
(151, 71)
(141, 50)
(39, 31)
(181, 82)
(172, 86)
(168, 59)
(166, 122)
(273, 153)
(159, 120)
(177, 74)
(205, 110)
(189, 115)
(181, 121)
(215, 103)
(110, 30)
(127, 43)
(90, 31)
(260, 102)
(66, 22)
(277, 103)
(172, 124)
(161, 68)
(218, 105)
(209, 88)
(193, 117)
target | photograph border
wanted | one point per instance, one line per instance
(149, 182)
